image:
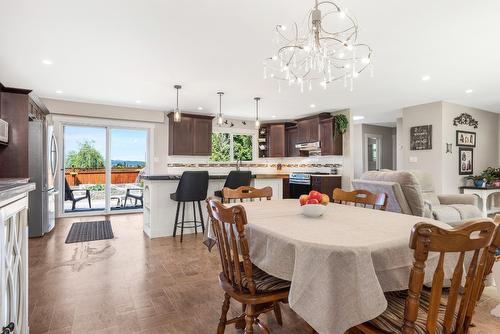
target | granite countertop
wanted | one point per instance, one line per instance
(14, 188)
(169, 177)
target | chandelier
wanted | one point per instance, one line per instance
(324, 50)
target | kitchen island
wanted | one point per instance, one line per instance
(159, 209)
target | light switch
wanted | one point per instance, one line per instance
(413, 159)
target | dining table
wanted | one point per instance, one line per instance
(339, 264)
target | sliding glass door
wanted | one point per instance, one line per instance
(102, 167)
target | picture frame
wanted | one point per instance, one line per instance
(421, 138)
(465, 161)
(466, 138)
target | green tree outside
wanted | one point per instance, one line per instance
(86, 157)
(221, 144)
(242, 147)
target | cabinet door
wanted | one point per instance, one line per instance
(303, 131)
(326, 184)
(277, 140)
(202, 136)
(326, 136)
(292, 138)
(308, 130)
(182, 137)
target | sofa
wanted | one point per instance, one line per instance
(413, 193)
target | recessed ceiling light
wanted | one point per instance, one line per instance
(312, 105)
(273, 116)
(200, 108)
(426, 78)
(468, 91)
(138, 101)
(358, 118)
(59, 91)
(47, 62)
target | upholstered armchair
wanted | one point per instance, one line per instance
(413, 193)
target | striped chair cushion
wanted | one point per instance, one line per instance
(391, 321)
(263, 281)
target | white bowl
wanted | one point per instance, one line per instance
(313, 210)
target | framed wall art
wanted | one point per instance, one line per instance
(421, 137)
(465, 161)
(466, 138)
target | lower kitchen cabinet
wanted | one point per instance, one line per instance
(326, 183)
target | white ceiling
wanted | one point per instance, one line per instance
(119, 51)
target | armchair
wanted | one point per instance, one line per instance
(412, 192)
(70, 196)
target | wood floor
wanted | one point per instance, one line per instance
(131, 284)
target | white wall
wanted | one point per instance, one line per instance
(400, 143)
(444, 166)
(427, 160)
(487, 143)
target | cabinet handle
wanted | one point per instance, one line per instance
(8, 329)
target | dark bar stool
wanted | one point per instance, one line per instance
(193, 188)
(235, 179)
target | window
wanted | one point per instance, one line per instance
(228, 147)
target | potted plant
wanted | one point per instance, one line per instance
(479, 180)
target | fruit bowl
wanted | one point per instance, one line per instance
(313, 210)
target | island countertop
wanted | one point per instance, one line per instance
(173, 177)
(9, 190)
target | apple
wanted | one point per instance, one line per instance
(303, 199)
(325, 199)
(312, 201)
(313, 194)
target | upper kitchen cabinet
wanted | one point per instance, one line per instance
(191, 136)
(277, 146)
(308, 129)
(292, 139)
(331, 141)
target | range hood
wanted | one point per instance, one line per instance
(314, 146)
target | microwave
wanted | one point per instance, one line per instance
(4, 132)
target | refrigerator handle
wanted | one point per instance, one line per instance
(56, 151)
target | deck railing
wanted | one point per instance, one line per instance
(98, 176)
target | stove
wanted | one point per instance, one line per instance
(300, 178)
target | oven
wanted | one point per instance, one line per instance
(300, 184)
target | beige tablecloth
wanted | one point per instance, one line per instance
(339, 264)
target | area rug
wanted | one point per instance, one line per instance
(90, 231)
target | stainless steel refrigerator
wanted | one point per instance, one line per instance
(43, 166)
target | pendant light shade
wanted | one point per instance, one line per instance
(177, 111)
(219, 117)
(257, 122)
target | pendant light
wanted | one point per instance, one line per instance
(257, 122)
(177, 111)
(219, 117)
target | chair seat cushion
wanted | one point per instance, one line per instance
(455, 212)
(391, 321)
(263, 281)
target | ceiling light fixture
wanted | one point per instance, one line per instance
(200, 108)
(138, 101)
(47, 62)
(313, 53)
(59, 91)
(177, 111)
(257, 122)
(468, 91)
(358, 118)
(219, 118)
(273, 116)
(426, 78)
(312, 105)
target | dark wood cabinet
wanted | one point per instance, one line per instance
(191, 136)
(17, 107)
(276, 140)
(202, 128)
(286, 188)
(326, 184)
(308, 130)
(292, 139)
(326, 136)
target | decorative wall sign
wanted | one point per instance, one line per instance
(421, 137)
(466, 138)
(465, 161)
(465, 119)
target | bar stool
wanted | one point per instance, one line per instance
(234, 180)
(193, 188)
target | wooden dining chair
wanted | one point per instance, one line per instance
(361, 197)
(420, 310)
(240, 279)
(246, 192)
